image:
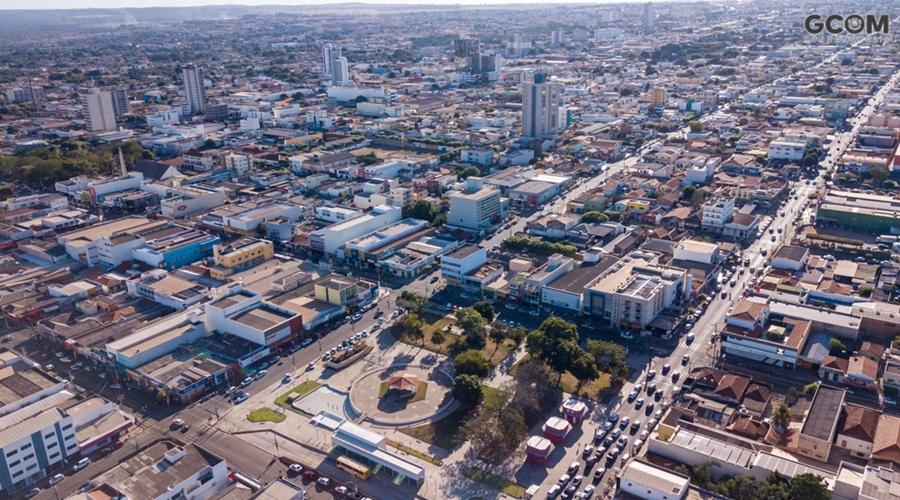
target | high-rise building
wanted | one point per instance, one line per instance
(518, 46)
(658, 97)
(330, 52)
(27, 93)
(99, 111)
(540, 109)
(121, 104)
(648, 16)
(557, 37)
(193, 88)
(340, 72)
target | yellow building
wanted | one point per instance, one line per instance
(239, 255)
(337, 292)
(658, 97)
(637, 206)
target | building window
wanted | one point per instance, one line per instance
(28, 457)
(17, 474)
(13, 464)
(12, 453)
(52, 445)
(67, 427)
(32, 466)
(23, 448)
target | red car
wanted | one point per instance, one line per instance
(311, 475)
(117, 445)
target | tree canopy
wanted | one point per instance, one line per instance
(467, 390)
(594, 217)
(472, 362)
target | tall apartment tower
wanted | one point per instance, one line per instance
(340, 72)
(540, 109)
(518, 45)
(121, 104)
(648, 16)
(658, 96)
(99, 111)
(330, 52)
(557, 37)
(193, 88)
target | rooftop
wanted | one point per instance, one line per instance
(824, 412)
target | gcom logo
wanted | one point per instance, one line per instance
(854, 24)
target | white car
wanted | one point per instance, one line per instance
(57, 478)
(49, 367)
(343, 490)
(889, 401)
(324, 481)
(84, 462)
(296, 468)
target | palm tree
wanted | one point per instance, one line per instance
(781, 417)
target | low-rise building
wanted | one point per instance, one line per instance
(821, 424)
(166, 471)
(635, 291)
(645, 480)
(857, 431)
(462, 261)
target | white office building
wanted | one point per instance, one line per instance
(340, 73)
(193, 88)
(331, 239)
(540, 110)
(99, 111)
(34, 439)
(475, 207)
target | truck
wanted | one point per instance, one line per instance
(886, 238)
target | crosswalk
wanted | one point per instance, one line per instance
(695, 346)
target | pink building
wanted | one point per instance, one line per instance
(556, 429)
(538, 450)
(574, 411)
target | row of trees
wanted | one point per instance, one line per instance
(805, 486)
(556, 343)
(540, 246)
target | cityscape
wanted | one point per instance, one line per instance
(642, 250)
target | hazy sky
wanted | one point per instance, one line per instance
(119, 4)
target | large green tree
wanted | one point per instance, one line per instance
(809, 486)
(485, 309)
(413, 302)
(474, 327)
(422, 210)
(467, 390)
(556, 343)
(594, 217)
(472, 362)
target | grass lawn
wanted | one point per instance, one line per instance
(568, 383)
(446, 431)
(266, 415)
(297, 392)
(494, 481)
(414, 452)
(433, 322)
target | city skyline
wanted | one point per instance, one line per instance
(139, 4)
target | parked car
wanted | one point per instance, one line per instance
(55, 479)
(247, 381)
(32, 492)
(324, 482)
(260, 374)
(177, 423)
(84, 462)
(296, 468)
